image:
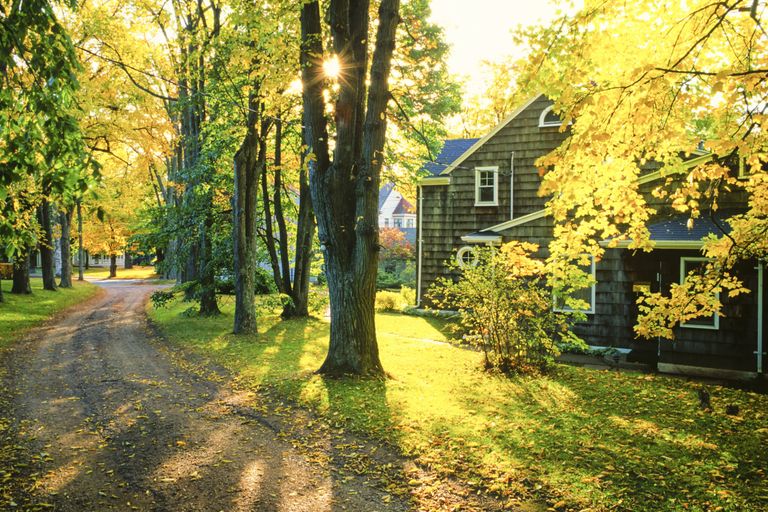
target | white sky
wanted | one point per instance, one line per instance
(480, 30)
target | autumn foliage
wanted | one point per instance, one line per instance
(506, 308)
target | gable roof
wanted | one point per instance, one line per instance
(452, 149)
(384, 192)
(404, 206)
(480, 142)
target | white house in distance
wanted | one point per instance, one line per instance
(394, 210)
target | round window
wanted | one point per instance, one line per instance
(466, 256)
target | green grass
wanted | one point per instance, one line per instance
(21, 312)
(583, 439)
(122, 273)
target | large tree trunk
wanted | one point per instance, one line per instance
(305, 232)
(113, 265)
(65, 218)
(46, 246)
(80, 252)
(249, 164)
(127, 263)
(21, 284)
(345, 192)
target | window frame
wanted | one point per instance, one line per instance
(465, 250)
(592, 294)
(478, 172)
(548, 124)
(683, 274)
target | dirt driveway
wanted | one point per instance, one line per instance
(118, 426)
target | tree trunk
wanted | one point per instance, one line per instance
(65, 218)
(345, 191)
(305, 232)
(46, 246)
(128, 263)
(80, 252)
(113, 265)
(269, 239)
(208, 305)
(249, 164)
(21, 284)
(87, 260)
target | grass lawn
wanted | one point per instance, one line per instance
(20, 312)
(582, 439)
(136, 272)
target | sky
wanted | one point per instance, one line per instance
(480, 30)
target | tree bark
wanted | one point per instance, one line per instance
(46, 246)
(269, 238)
(249, 163)
(21, 284)
(113, 265)
(345, 191)
(80, 252)
(65, 219)
(305, 232)
(127, 263)
(208, 305)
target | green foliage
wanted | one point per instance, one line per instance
(505, 308)
(395, 273)
(161, 298)
(408, 295)
(318, 299)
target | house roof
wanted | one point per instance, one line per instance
(673, 233)
(403, 207)
(384, 192)
(480, 142)
(452, 149)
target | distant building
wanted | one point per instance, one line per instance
(395, 211)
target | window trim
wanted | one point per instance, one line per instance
(592, 294)
(464, 250)
(548, 124)
(716, 325)
(495, 170)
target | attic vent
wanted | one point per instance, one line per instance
(549, 118)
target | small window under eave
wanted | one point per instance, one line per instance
(549, 118)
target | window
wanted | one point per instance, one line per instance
(486, 186)
(466, 256)
(398, 223)
(587, 295)
(386, 223)
(549, 118)
(410, 223)
(696, 265)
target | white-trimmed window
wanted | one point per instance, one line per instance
(466, 256)
(486, 186)
(689, 264)
(549, 118)
(586, 295)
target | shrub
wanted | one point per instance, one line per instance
(408, 295)
(318, 300)
(505, 308)
(388, 301)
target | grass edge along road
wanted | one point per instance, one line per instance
(19, 313)
(579, 438)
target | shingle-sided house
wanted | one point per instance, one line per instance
(486, 193)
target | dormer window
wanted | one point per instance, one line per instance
(486, 186)
(549, 118)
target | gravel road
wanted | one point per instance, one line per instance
(121, 427)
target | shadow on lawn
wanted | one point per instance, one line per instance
(610, 437)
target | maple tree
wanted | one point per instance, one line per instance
(697, 83)
(345, 183)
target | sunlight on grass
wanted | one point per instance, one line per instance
(585, 438)
(136, 272)
(21, 312)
